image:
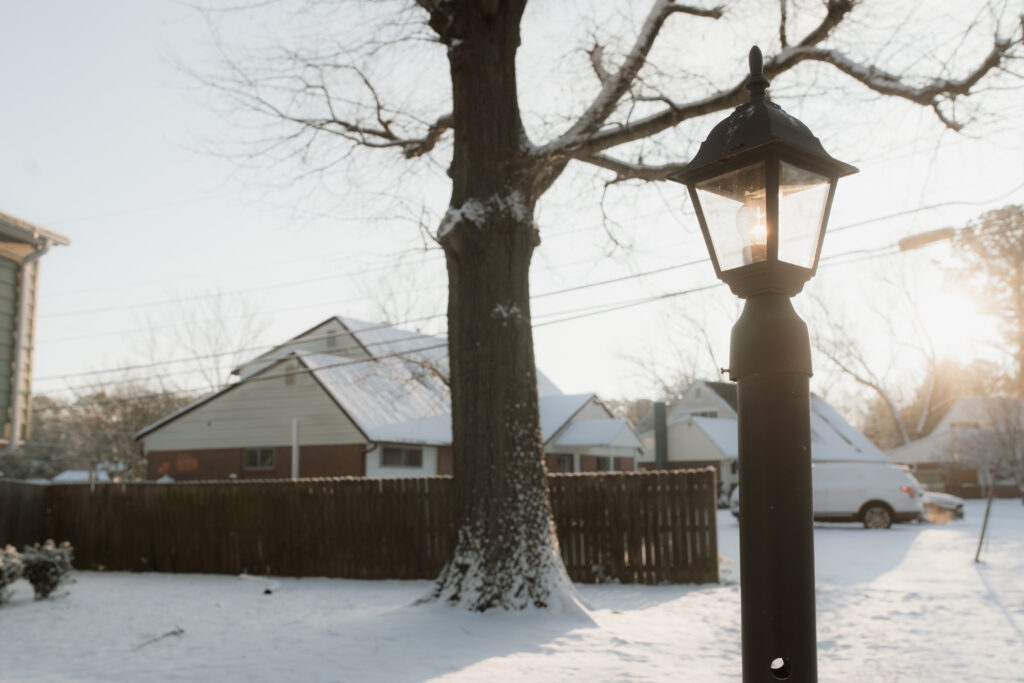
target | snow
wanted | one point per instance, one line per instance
(833, 439)
(555, 411)
(903, 604)
(599, 433)
(379, 394)
(80, 476)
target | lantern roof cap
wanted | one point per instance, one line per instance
(755, 124)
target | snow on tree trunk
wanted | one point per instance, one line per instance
(506, 552)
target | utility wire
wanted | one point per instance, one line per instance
(618, 306)
(567, 316)
(294, 283)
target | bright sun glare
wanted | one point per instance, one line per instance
(956, 326)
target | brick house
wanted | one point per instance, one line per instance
(349, 398)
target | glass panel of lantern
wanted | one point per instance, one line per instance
(802, 199)
(735, 213)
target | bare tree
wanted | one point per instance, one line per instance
(320, 92)
(212, 333)
(93, 430)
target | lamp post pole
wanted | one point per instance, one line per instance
(762, 187)
(770, 359)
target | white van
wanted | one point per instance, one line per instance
(874, 493)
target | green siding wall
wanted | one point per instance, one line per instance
(8, 326)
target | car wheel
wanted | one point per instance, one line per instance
(876, 516)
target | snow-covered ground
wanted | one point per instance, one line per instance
(904, 604)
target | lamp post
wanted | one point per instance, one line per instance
(762, 186)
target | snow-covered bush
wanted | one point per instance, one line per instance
(10, 569)
(46, 566)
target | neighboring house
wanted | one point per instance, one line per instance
(81, 476)
(350, 398)
(701, 429)
(957, 455)
(21, 246)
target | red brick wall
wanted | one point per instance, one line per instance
(332, 461)
(200, 464)
(314, 461)
(624, 464)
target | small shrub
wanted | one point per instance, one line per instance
(46, 566)
(11, 567)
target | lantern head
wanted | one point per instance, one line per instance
(762, 186)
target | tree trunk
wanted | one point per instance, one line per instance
(506, 552)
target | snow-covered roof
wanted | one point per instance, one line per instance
(936, 447)
(833, 438)
(378, 340)
(555, 411)
(599, 432)
(378, 395)
(722, 432)
(79, 476)
(382, 340)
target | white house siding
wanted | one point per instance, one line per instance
(259, 413)
(428, 466)
(700, 400)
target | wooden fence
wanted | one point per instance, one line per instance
(652, 527)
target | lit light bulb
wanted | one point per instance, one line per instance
(755, 235)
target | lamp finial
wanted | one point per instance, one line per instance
(756, 83)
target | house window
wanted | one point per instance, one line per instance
(393, 456)
(706, 413)
(258, 458)
(563, 462)
(332, 339)
(603, 464)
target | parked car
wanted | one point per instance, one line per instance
(940, 506)
(875, 494)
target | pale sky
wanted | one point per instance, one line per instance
(102, 142)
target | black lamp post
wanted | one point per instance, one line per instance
(762, 186)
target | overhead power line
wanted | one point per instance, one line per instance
(358, 273)
(906, 244)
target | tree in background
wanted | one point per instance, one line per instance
(92, 431)
(211, 332)
(991, 249)
(922, 409)
(327, 88)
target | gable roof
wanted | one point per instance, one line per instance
(599, 432)
(726, 391)
(382, 340)
(722, 432)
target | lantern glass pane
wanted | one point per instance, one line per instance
(802, 199)
(734, 209)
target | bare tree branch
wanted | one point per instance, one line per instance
(783, 41)
(625, 170)
(596, 55)
(615, 86)
(576, 141)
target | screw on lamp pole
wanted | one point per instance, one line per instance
(762, 187)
